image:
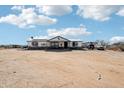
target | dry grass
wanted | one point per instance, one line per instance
(20, 68)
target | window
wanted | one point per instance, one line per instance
(75, 44)
(35, 43)
(43, 44)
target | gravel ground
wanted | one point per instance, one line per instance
(68, 69)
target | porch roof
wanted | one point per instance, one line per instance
(58, 38)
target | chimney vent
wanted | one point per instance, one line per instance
(31, 37)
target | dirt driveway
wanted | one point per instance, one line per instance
(48, 69)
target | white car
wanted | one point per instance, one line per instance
(100, 47)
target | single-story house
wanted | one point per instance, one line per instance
(55, 42)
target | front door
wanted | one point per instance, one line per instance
(65, 44)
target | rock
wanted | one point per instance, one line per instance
(14, 72)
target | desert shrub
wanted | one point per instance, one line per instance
(116, 47)
(122, 47)
(10, 46)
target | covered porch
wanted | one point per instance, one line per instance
(59, 44)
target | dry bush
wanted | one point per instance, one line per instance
(122, 47)
(117, 47)
(114, 48)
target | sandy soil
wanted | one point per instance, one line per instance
(19, 68)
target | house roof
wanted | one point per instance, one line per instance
(37, 40)
(78, 40)
(58, 38)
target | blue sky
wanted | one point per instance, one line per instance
(87, 23)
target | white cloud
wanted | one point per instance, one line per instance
(117, 39)
(97, 12)
(121, 12)
(73, 32)
(18, 7)
(27, 18)
(41, 37)
(56, 10)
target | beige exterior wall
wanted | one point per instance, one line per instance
(29, 44)
(48, 44)
(79, 44)
(70, 44)
(43, 44)
(61, 44)
(40, 44)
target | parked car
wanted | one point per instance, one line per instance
(99, 47)
(91, 46)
